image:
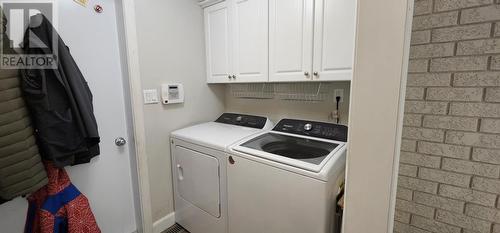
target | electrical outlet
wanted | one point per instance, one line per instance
(339, 92)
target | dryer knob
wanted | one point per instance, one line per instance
(308, 127)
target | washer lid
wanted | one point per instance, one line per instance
(304, 149)
(214, 135)
(261, 146)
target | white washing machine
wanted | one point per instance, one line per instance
(199, 155)
(286, 180)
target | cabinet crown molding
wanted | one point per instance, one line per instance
(207, 3)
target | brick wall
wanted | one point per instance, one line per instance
(449, 178)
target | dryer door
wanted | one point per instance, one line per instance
(197, 177)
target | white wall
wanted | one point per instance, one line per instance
(171, 49)
(376, 114)
(277, 109)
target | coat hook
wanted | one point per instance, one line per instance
(98, 8)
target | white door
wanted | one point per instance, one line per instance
(334, 29)
(218, 43)
(94, 42)
(250, 40)
(290, 40)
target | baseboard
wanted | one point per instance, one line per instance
(164, 223)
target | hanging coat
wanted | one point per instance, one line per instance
(60, 100)
(59, 207)
(21, 168)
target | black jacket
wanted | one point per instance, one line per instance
(60, 101)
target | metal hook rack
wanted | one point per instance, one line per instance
(306, 92)
(253, 90)
(303, 92)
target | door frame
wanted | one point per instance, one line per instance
(383, 32)
(135, 89)
(360, 216)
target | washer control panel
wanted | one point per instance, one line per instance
(313, 129)
(257, 122)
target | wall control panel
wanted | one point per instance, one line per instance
(150, 96)
(172, 93)
(257, 122)
(313, 129)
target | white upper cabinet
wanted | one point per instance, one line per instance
(334, 36)
(218, 43)
(280, 40)
(250, 40)
(237, 41)
(291, 40)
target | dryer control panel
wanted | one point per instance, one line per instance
(257, 122)
(313, 128)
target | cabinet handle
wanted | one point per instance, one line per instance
(315, 73)
(231, 160)
(234, 76)
(229, 77)
(306, 73)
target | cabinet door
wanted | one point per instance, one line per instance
(290, 40)
(250, 40)
(334, 35)
(217, 42)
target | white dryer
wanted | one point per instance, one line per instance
(199, 169)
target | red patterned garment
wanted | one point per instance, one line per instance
(59, 207)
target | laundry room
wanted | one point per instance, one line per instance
(247, 92)
(245, 116)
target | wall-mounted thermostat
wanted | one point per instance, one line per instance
(172, 93)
